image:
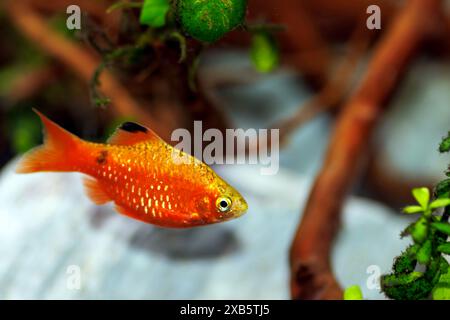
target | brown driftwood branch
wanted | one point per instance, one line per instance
(311, 273)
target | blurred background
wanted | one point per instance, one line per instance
(293, 65)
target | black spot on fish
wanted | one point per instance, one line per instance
(101, 158)
(133, 127)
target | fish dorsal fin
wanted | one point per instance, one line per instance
(130, 133)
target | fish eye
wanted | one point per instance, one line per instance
(223, 204)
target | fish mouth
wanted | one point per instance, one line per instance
(240, 207)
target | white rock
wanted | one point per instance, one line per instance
(48, 224)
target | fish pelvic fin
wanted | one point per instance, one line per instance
(57, 153)
(95, 191)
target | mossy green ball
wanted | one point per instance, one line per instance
(209, 20)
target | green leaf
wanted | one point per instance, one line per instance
(422, 196)
(264, 52)
(442, 289)
(419, 230)
(353, 293)
(444, 248)
(424, 253)
(154, 13)
(440, 203)
(406, 262)
(442, 227)
(412, 209)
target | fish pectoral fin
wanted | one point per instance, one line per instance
(130, 133)
(95, 191)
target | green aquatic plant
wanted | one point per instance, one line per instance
(421, 271)
(167, 24)
(445, 146)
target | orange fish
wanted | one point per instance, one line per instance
(141, 173)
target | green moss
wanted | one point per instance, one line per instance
(442, 190)
(414, 285)
(405, 263)
(445, 144)
(209, 20)
(405, 287)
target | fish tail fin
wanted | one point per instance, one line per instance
(57, 153)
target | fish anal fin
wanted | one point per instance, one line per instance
(95, 191)
(128, 212)
(130, 133)
(123, 210)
